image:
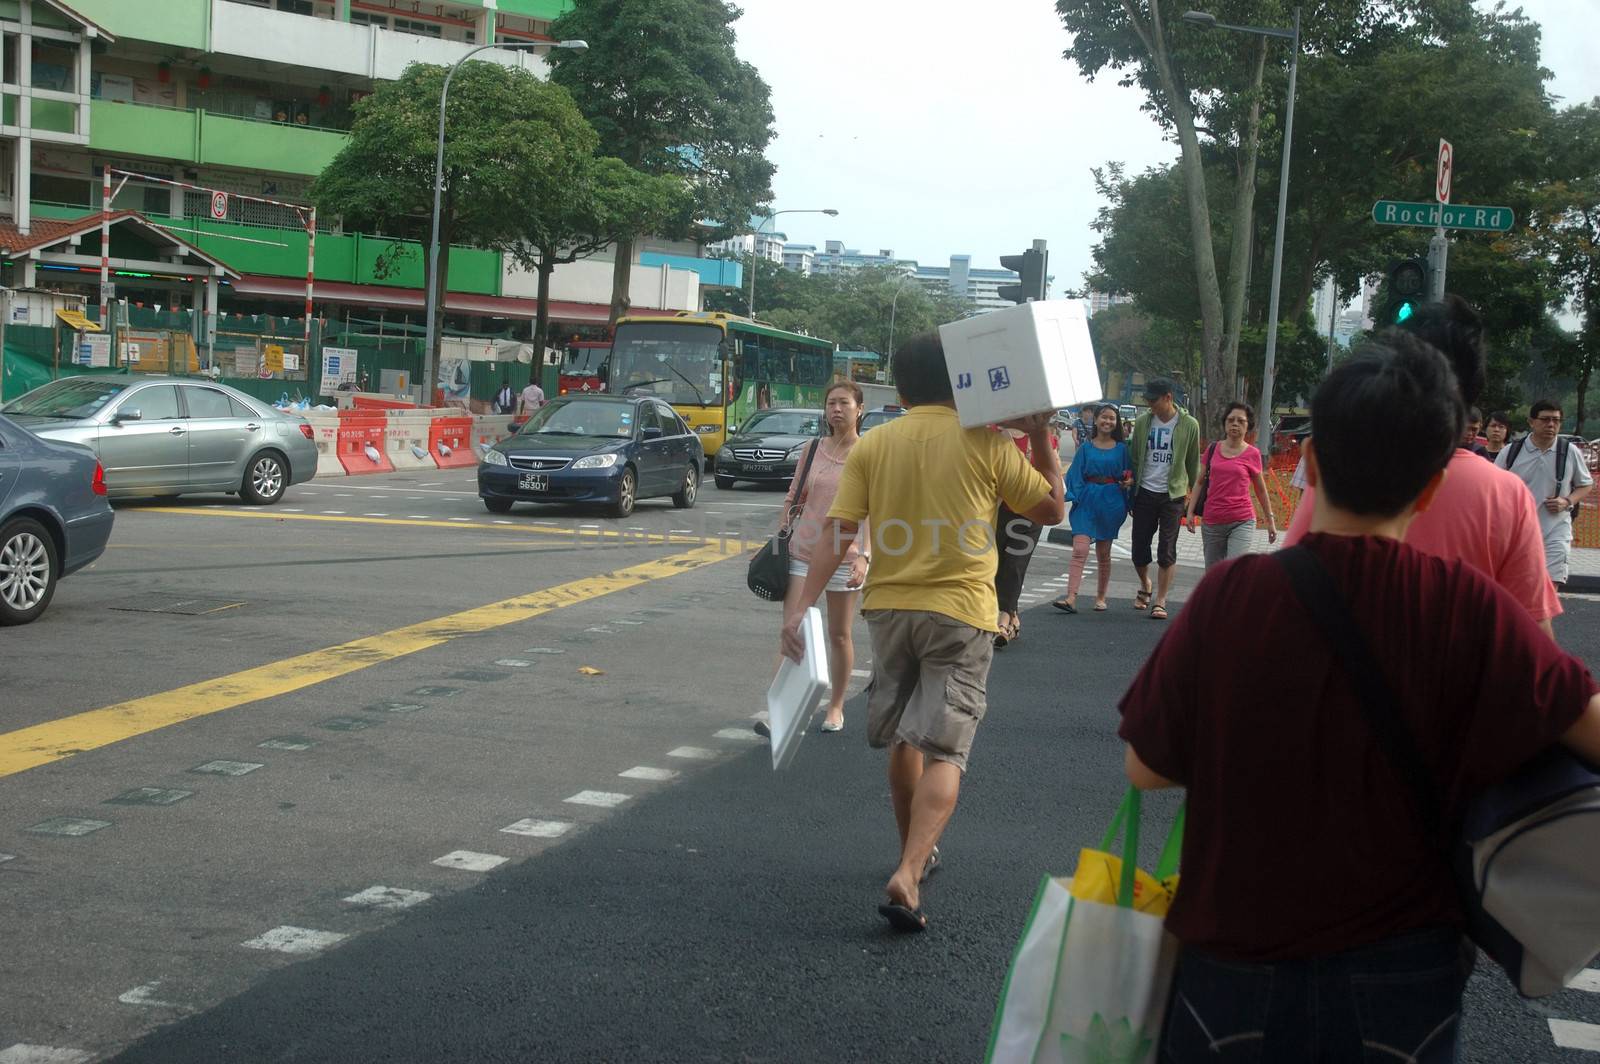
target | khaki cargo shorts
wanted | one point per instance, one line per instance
(930, 673)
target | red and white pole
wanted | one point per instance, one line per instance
(105, 247)
(311, 260)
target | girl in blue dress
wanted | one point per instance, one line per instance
(1097, 487)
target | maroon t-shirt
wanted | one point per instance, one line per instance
(1301, 838)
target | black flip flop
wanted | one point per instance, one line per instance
(903, 918)
(1064, 606)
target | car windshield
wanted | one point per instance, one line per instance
(680, 362)
(784, 423)
(74, 397)
(582, 417)
(877, 417)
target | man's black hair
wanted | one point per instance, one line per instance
(1541, 405)
(1498, 417)
(920, 374)
(1401, 391)
(1452, 326)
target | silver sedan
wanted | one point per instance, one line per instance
(171, 435)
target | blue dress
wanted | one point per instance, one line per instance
(1098, 510)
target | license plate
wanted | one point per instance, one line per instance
(534, 482)
(761, 468)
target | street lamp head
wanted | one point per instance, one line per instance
(575, 46)
(1203, 19)
(830, 212)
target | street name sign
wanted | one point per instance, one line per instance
(1455, 216)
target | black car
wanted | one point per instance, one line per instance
(54, 518)
(605, 449)
(767, 448)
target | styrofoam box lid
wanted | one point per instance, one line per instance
(1021, 360)
(797, 691)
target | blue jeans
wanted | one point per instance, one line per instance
(1395, 1000)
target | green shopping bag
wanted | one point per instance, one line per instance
(1090, 979)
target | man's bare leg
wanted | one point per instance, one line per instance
(905, 770)
(931, 807)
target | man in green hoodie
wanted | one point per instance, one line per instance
(1166, 463)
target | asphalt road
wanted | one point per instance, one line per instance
(705, 909)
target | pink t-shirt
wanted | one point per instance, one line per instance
(1228, 485)
(1483, 515)
(822, 484)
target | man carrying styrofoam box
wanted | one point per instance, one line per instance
(1022, 360)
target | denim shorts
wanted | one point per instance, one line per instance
(1394, 1000)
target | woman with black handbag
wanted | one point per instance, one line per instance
(805, 512)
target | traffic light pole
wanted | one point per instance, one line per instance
(1438, 257)
(1269, 368)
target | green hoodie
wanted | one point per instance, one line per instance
(1185, 453)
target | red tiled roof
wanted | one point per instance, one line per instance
(49, 231)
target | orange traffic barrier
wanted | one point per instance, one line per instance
(361, 442)
(450, 442)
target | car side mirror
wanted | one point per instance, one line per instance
(652, 432)
(127, 415)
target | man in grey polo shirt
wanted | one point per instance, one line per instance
(1536, 458)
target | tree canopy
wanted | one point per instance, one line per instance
(667, 93)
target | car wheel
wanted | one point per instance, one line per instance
(626, 492)
(28, 569)
(266, 479)
(498, 506)
(691, 487)
(723, 483)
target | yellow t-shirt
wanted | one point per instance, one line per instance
(932, 489)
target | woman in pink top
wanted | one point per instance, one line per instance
(1229, 471)
(808, 516)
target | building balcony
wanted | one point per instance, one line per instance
(219, 140)
(264, 35)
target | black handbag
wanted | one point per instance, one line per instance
(768, 575)
(1205, 489)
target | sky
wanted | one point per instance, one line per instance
(937, 127)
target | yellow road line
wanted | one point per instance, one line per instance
(54, 740)
(551, 530)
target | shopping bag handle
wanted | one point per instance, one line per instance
(1126, 823)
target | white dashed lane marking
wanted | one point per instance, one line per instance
(145, 996)
(388, 898)
(1588, 979)
(603, 799)
(470, 861)
(645, 772)
(694, 753)
(738, 733)
(1570, 1034)
(861, 673)
(290, 939)
(549, 829)
(22, 1053)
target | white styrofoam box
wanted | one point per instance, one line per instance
(1022, 360)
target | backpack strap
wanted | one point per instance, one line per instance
(1563, 446)
(1325, 603)
(1516, 452)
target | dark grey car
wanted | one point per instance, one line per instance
(171, 435)
(54, 518)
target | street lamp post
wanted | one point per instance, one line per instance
(1208, 21)
(893, 303)
(432, 300)
(755, 243)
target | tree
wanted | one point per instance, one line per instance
(509, 138)
(607, 201)
(667, 93)
(1212, 84)
(1565, 230)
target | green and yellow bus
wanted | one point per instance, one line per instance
(717, 369)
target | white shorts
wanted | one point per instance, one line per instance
(840, 581)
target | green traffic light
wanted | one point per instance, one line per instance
(1405, 311)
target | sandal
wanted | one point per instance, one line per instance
(1158, 613)
(1141, 599)
(1100, 606)
(1009, 630)
(1065, 605)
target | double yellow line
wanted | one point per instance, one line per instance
(55, 740)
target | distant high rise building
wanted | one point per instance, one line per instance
(836, 258)
(978, 285)
(801, 258)
(767, 245)
(1099, 301)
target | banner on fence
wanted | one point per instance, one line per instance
(338, 367)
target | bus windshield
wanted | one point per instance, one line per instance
(680, 362)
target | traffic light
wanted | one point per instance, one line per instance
(1408, 288)
(1030, 267)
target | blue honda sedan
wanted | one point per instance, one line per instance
(608, 449)
(54, 518)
